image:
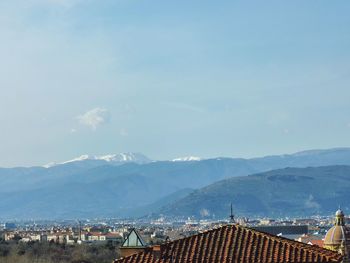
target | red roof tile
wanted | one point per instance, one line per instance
(144, 257)
(234, 243)
(316, 242)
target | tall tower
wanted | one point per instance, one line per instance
(232, 217)
(79, 230)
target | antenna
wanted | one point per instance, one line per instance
(232, 217)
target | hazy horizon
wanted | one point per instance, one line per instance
(235, 79)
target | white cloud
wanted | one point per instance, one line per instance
(94, 118)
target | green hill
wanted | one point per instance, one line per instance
(283, 192)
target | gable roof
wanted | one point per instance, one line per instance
(133, 240)
(234, 243)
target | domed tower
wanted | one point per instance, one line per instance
(338, 237)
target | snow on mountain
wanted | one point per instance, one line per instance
(48, 165)
(124, 157)
(187, 159)
(80, 158)
(112, 158)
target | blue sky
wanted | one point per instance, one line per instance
(172, 78)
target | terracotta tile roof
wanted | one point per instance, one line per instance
(234, 243)
(144, 257)
(112, 235)
(316, 242)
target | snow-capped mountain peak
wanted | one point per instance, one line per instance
(80, 158)
(124, 157)
(111, 158)
(187, 159)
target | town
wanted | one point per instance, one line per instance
(158, 231)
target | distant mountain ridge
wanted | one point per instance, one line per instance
(130, 157)
(277, 193)
(119, 158)
(98, 187)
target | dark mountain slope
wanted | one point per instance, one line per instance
(284, 192)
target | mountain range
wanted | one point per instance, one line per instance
(125, 185)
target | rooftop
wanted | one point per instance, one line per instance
(233, 243)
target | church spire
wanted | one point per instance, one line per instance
(232, 217)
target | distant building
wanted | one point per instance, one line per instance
(306, 221)
(10, 226)
(311, 240)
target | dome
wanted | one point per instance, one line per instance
(339, 235)
(336, 235)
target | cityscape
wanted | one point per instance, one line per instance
(314, 231)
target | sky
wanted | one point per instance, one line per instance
(172, 78)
